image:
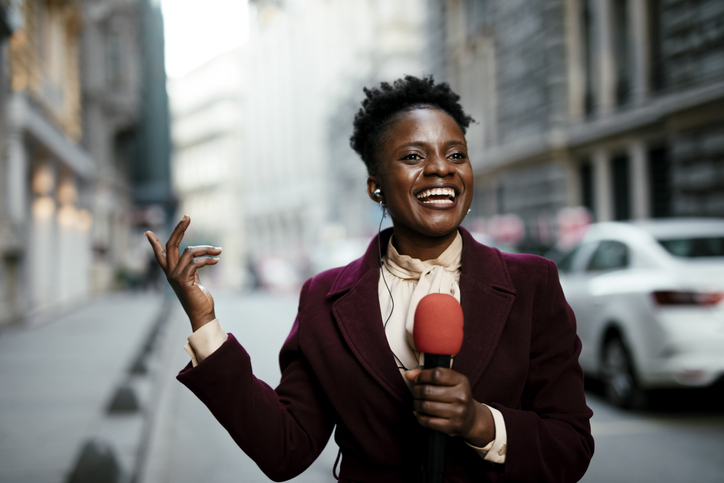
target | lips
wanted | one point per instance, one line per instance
(438, 196)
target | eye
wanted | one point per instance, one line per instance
(412, 157)
(459, 155)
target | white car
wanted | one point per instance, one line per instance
(649, 303)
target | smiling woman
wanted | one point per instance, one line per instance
(426, 179)
(511, 406)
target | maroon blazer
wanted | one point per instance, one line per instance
(520, 353)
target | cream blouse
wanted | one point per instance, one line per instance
(406, 280)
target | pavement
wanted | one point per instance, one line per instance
(60, 374)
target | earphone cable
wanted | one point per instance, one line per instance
(384, 280)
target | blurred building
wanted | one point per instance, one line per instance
(262, 161)
(209, 176)
(126, 123)
(614, 105)
(9, 239)
(308, 62)
(69, 165)
(46, 173)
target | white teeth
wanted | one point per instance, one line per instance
(437, 192)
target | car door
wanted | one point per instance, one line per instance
(599, 290)
(574, 281)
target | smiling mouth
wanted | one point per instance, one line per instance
(437, 196)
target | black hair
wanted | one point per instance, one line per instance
(383, 105)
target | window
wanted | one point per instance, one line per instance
(621, 188)
(565, 264)
(622, 47)
(660, 182)
(114, 61)
(610, 255)
(695, 247)
(589, 56)
(656, 71)
(586, 176)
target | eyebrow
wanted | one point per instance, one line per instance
(420, 143)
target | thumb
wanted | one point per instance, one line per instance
(412, 375)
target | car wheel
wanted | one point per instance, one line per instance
(619, 381)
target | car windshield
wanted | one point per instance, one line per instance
(695, 247)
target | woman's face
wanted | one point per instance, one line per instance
(424, 175)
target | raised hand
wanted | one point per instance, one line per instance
(443, 401)
(181, 273)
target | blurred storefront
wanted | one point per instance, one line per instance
(75, 92)
(612, 105)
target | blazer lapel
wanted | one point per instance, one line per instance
(487, 296)
(357, 311)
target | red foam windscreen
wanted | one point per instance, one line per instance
(438, 325)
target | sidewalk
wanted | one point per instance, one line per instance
(57, 380)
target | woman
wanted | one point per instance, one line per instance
(512, 402)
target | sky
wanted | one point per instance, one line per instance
(199, 31)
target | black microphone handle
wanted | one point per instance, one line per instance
(434, 463)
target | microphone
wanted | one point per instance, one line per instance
(438, 332)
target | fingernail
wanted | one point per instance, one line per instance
(216, 258)
(217, 248)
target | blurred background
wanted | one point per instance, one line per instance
(120, 116)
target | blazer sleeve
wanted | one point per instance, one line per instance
(549, 436)
(284, 429)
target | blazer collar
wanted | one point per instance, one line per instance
(487, 294)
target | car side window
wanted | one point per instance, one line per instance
(564, 265)
(610, 255)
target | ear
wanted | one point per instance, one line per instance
(372, 185)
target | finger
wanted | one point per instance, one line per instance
(440, 376)
(428, 392)
(437, 424)
(434, 409)
(158, 251)
(195, 252)
(174, 241)
(189, 272)
(412, 374)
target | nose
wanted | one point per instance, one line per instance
(438, 165)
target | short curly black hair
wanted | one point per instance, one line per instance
(384, 104)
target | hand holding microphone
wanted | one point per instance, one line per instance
(443, 398)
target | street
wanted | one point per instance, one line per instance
(58, 377)
(680, 438)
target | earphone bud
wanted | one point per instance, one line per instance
(377, 193)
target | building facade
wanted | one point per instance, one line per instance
(71, 145)
(46, 172)
(611, 105)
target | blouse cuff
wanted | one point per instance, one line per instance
(496, 449)
(205, 341)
